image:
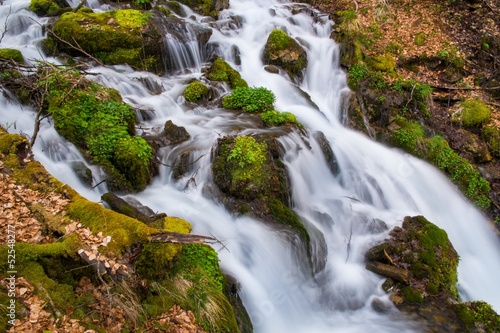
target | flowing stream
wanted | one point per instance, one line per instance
(342, 212)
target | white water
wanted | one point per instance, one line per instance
(375, 182)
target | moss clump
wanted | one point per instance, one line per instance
(247, 159)
(276, 118)
(282, 50)
(382, 63)
(222, 71)
(478, 314)
(420, 38)
(461, 171)
(409, 137)
(195, 91)
(203, 7)
(474, 113)
(411, 295)
(491, 134)
(250, 99)
(46, 7)
(11, 54)
(119, 36)
(95, 119)
(157, 258)
(196, 283)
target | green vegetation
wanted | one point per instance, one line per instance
(203, 7)
(411, 295)
(276, 118)
(356, 74)
(382, 63)
(478, 314)
(95, 119)
(474, 113)
(248, 158)
(491, 134)
(195, 91)
(11, 54)
(279, 40)
(420, 38)
(46, 7)
(114, 37)
(250, 99)
(461, 171)
(222, 71)
(409, 137)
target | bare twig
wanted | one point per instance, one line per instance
(38, 115)
(182, 164)
(191, 180)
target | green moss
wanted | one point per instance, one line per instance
(250, 99)
(411, 295)
(220, 70)
(276, 118)
(11, 54)
(474, 113)
(115, 37)
(95, 119)
(157, 258)
(356, 74)
(409, 137)
(195, 91)
(491, 134)
(478, 314)
(284, 215)
(133, 158)
(45, 7)
(197, 285)
(420, 38)
(124, 231)
(248, 158)
(461, 171)
(279, 40)
(382, 63)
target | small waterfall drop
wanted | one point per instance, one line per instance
(375, 183)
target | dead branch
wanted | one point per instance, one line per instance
(191, 180)
(464, 88)
(182, 164)
(178, 238)
(38, 115)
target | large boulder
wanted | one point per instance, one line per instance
(284, 51)
(114, 37)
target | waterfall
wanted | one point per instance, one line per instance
(374, 183)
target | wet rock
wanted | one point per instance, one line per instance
(272, 69)
(328, 153)
(121, 206)
(153, 86)
(82, 172)
(175, 134)
(283, 51)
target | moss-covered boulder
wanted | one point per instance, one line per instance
(220, 70)
(48, 7)
(423, 251)
(284, 51)
(253, 181)
(473, 114)
(420, 264)
(114, 37)
(11, 54)
(95, 119)
(195, 91)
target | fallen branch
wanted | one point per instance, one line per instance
(464, 88)
(178, 238)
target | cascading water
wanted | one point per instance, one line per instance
(340, 211)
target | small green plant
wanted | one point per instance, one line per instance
(491, 134)
(356, 74)
(195, 91)
(409, 137)
(276, 118)
(474, 113)
(394, 48)
(248, 158)
(420, 38)
(250, 99)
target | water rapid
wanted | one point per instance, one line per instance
(374, 183)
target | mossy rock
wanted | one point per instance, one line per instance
(491, 134)
(426, 252)
(284, 51)
(47, 7)
(195, 91)
(478, 314)
(115, 37)
(474, 113)
(95, 119)
(220, 70)
(382, 63)
(11, 54)
(207, 7)
(253, 180)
